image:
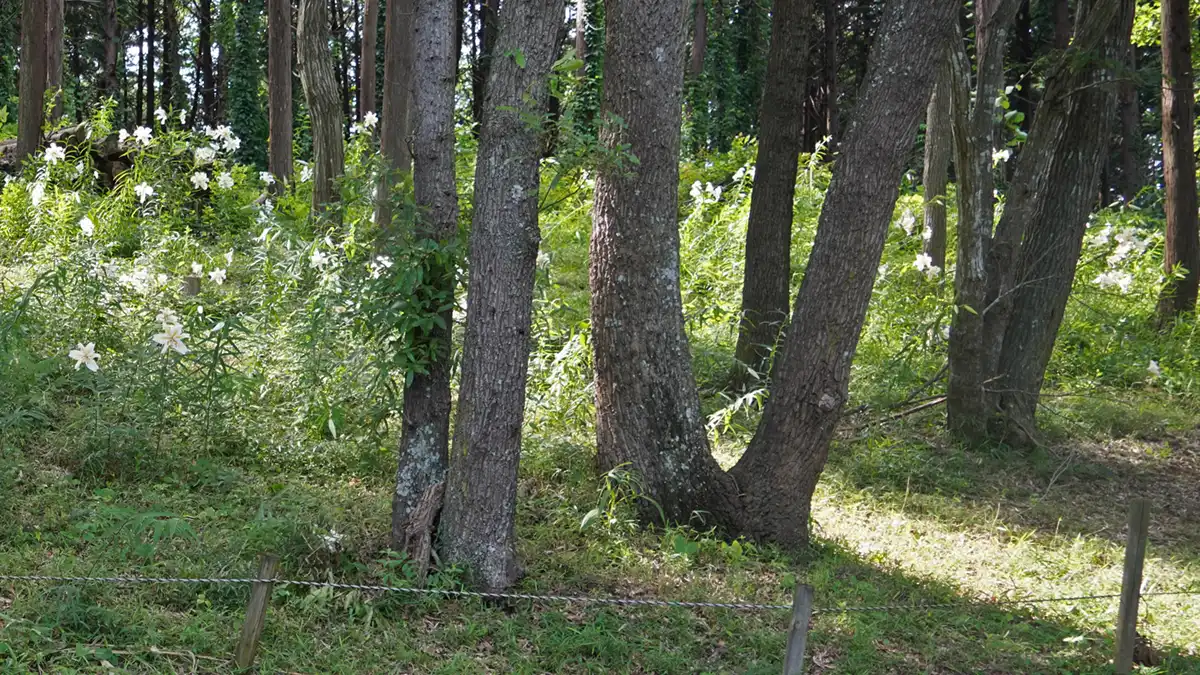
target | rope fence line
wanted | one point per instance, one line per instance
(577, 599)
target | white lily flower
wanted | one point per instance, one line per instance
(225, 180)
(197, 269)
(167, 317)
(88, 227)
(55, 153)
(143, 135)
(318, 259)
(85, 355)
(143, 192)
(1155, 371)
(217, 276)
(172, 337)
(370, 119)
(205, 155)
(200, 180)
(266, 177)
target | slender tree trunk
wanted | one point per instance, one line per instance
(939, 146)
(279, 88)
(481, 481)
(830, 63)
(581, 19)
(110, 84)
(1182, 246)
(366, 69)
(426, 423)
(33, 78)
(397, 91)
(140, 36)
(55, 27)
(488, 10)
(766, 282)
(321, 96)
(1132, 157)
(151, 50)
(699, 38)
(779, 471)
(970, 357)
(173, 94)
(1054, 190)
(342, 75)
(204, 63)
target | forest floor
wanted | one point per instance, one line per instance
(902, 516)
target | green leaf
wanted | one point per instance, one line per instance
(591, 515)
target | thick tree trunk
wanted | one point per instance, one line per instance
(766, 282)
(30, 112)
(426, 423)
(366, 62)
(279, 88)
(699, 38)
(488, 10)
(151, 50)
(55, 28)
(320, 93)
(970, 355)
(109, 83)
(1182, 247)
(481, 481)
(939, 146)
(780, 468)
(1053, 192)
(647, 407)
(397, 91)
(204, 63)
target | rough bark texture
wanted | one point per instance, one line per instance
(699, 38)
(204, 63)
(33, 78)
(1182, 247)
(766, 282)
(481, 480)
(109, 84)
(172, 82)
(780, 468)
(397, 91)
(321, 95)
(426, 423)
(1054, 190)
(970, 357)
(279, 88)
(647, 407)
(939, 145)
(830, 62)
(1132, 162)
(366, 61)
(581, 33)
(488, 11)
(55, 27)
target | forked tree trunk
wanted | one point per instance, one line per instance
(481, 481)
(766, 281)
(366, 60)
(33, 78)
(1182, 245)
(647, 408)
(426, 422)
(55, 27)
(1054, 190)
(779, 471)
(397, 93)
(939, 145)
(321, 95)
(279, 89)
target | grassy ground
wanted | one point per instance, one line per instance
(901, 517)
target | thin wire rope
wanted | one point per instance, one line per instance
(629, 602)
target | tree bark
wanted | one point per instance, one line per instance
(320, 93)
(151, 50)
(487, 13)
(481, 481)
(204, 63)
(1054, 190)
(172, 81)
(55, 27)
(109, 83)
(279, 88)
(699, 38)
(397, 91)
(939, 146)
(1132, 145)
(780, 468)
(581, 19)
(426, 423)
(1182, 244)
(830, 62)
(30, 111)
(366, 62)
(766, 282)
(1062, 23)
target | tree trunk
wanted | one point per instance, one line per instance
(970, 355)
(33, 78)
(204, 64)
(342, 75)
(1132, 153)
(766, 282)
(488, 10)
(1062, 23)
(1053, 192)
(140, 36)
(55, 27)
(1182, 245)
(321, 96)
(481, 481)
(366, 63)
(426, 423)
(939, 145)
(397, 91)
(699, 38)
(151, 38)
(109, 84)
(172, 81)
(581, 19)
(830, 62)
(780, 468)
(279, 88)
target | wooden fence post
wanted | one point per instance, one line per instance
(191, 286)
(256, 612)
(1131, 584)
(802, 607)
